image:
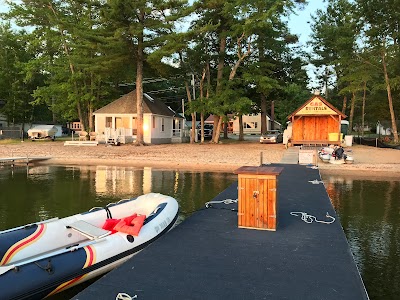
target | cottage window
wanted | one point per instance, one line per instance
(108, 122)
(250, 125)
(154, 122)
(134, 125)
(162, 124)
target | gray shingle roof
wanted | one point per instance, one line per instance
(127, 105)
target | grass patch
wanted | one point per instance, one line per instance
(10, 141)
(27, 140)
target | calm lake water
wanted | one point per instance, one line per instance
(42, 192)
(369, 209)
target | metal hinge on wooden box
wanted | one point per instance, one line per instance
(257, 195)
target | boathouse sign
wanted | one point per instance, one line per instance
(316, 107)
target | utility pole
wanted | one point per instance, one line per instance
(194, 114)
(193, 85)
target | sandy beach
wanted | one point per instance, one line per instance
(223, 157)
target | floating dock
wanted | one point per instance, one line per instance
(22, 159)
(208, 257)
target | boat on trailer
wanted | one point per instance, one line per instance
(44, 258)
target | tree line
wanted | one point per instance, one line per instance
(68, 58)
(356, 48)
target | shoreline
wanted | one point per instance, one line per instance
(224, 157)
(365, 170)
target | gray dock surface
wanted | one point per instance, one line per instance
(208, 257)
(291, 156)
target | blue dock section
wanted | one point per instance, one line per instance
(208, 257)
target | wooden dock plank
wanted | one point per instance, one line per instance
(81, 143)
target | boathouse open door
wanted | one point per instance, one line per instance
(257, 197)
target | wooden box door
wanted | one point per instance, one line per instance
(257, 207)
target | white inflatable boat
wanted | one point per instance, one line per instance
(44, 258)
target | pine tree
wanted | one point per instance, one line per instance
(381, 29)
(15, 88)
(71, 46)
(143, 26)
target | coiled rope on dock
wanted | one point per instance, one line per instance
(316, 181)
(226, 201)
(125, 296)
(310, 218)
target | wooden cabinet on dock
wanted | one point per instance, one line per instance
(257, 201)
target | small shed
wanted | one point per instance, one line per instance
(316, 122)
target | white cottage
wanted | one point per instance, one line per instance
(117, 121)
(252, 124)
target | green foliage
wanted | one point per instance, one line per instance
(294, 96)
(15, 90)
(350, 40)
(80, 51)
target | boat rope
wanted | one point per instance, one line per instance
(95, 208)
(209, 205)
(315, 181)
(310, 218)
(313, 167)
(109, 216)
(125, 296)
(226, 201)
(48, 268)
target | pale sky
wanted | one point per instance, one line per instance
(2, 6)
(298, 24)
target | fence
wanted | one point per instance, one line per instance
(374, 142)
(10, 133)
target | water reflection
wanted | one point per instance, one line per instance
(43, 192)
(369, 209)
(369, 212)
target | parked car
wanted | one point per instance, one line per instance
(208, 131)
(272, 136)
